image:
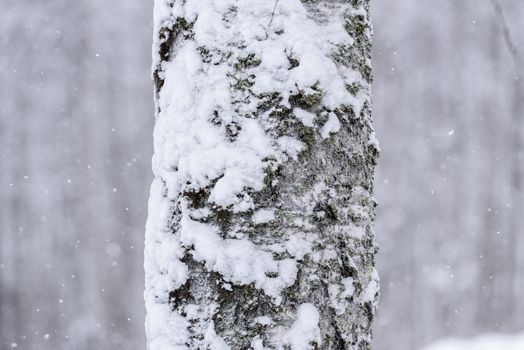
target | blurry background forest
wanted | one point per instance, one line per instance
(76, 119)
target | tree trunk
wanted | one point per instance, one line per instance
(259, 233)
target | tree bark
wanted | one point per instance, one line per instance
(259, 233)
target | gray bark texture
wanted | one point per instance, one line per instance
(323, 195)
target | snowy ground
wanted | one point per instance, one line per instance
(483, 342)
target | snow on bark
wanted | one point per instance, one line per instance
(259, 231)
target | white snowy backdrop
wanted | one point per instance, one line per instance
(76, 120)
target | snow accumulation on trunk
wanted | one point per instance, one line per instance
(259, 233)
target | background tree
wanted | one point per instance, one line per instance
(259, 231)
(447, 201)
(73, 158)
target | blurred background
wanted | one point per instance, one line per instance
(76, 119)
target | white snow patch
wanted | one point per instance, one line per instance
(263, 320)
(165, 329)
(373, 141)
(263, 216)
(304, 116)
(164, 270)
(482, 342)
(349, 287)
(298, 245)
(238, 260)
(213, 340)
(339, 294)
(291, 146)
(305, 329)
(372, 288)
(332, 125)
(257, 344)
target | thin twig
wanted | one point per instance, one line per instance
(505, 31)
(271, 20)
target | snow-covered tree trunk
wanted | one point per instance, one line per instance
(259, 233)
